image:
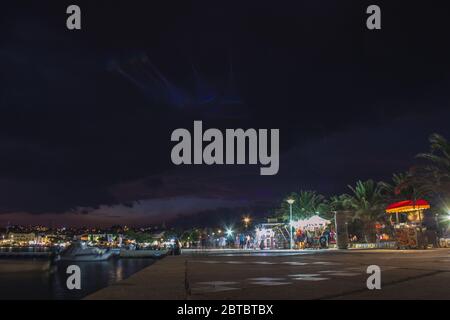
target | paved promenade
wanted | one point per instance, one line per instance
(332, 274)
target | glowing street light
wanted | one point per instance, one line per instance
(246, 222)
(291, 202)
(229, 232)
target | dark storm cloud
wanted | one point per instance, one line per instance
(86, 116)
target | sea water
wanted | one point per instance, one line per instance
(36, 283)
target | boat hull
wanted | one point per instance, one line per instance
(86, 258)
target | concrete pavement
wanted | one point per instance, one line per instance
(327, 274)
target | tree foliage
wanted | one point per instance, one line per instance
(306, 204)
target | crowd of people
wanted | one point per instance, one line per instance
(315, 238)
(244, 240)
(251, 239)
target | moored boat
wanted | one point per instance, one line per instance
(78, 251)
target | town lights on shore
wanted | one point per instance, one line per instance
(291, 202)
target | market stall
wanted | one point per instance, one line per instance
(407, 219)
(313, 232)
(265, 236)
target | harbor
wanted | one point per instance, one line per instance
(37, 279)
(41, 273)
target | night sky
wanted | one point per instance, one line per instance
(86, 116)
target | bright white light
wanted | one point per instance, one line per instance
(290, 201)
(229, 232)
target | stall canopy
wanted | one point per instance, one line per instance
(314, 221)
(407, 206)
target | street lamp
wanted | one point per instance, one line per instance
(246, 222)
(291, 202)
(229, 232)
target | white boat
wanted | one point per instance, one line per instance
(79, 251)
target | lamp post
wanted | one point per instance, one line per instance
(246, 222)
(291, 202)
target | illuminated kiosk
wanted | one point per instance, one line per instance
(407, 218)
(275, 235)
(314, 227)
(272, 235)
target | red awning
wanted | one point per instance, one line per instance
(408, 205)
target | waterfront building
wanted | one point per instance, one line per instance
(22, 238)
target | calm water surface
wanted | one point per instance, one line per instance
(51, 284)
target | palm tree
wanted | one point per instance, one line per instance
(306, 204)
(339, 203)
(394, 190)
(403, 187)
(367, 204)
(435, 176)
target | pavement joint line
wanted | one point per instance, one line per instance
(384, 285)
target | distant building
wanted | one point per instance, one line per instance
(22, 237)
(98, 237)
